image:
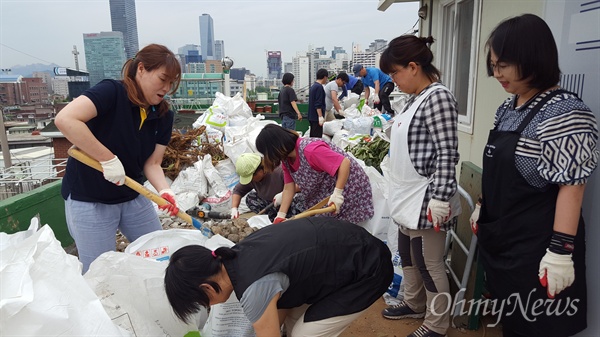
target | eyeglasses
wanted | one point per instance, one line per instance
(391, 75)
(499, 67)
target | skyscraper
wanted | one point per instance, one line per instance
(104, 55)
(123, 19)
(207, 37)
(219, 50)
(274, 64)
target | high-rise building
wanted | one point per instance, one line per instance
(377, 46)
(337, 50)
(123, 19)
(207, 37)
(219, 50)
(302, 79)
(104, 55)
(274, 64)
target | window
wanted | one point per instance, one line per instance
(459, 35)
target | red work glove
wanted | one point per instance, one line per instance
(438, 212)
(473, 219)
(171, 208)
(280, 218)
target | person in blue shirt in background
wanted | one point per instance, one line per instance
(374, 77)
(354, 84)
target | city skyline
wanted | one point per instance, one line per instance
(295, 26)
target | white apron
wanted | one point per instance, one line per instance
(407, 187)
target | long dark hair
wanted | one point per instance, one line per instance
(275, 143)
(409, 48)
(152, 56)
(527, 42)
(188, 268)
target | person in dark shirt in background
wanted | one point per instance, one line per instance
(316, 104)
(288, 109)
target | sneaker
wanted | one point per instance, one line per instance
(401, 310)
(424, 331)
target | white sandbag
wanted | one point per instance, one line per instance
(210, 135)
(226, 169)
(132, 292)
(192, 179)
(227, 320)
(352, 99)
(237, 120)
(214, 178)
(361, 126)
(215, 116)
(331, 127)
(379, 224)
(159, 245)
(43, 293)
(338, 137)
(239, 108)
(235, 149)
(219, 203)
(352, 112)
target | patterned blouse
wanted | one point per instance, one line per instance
(559, 144)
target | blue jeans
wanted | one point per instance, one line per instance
(94, 225)
(288, 123)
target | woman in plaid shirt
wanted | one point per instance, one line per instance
(423, 191)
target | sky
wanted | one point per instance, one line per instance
(45, 31)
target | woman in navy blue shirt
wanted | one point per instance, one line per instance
(126, 126)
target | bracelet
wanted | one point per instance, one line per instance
(562, 243)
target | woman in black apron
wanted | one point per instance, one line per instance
(535, 166)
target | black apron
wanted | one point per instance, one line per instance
(515, 228)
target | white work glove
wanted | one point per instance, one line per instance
(556, 272)
(337, 199)
(438, 212)
(376, 99)
(277, 199)
(474, 217)
(321, 121)
(340, 112)
(171, 207)
(113, 171)
(235, 213)
(279, 218)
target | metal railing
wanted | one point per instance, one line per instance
(29, 175)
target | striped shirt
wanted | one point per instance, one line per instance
(559, 146)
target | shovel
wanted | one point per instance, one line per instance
(134, 185)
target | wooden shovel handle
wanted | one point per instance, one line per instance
(308, 213)
(134, 185)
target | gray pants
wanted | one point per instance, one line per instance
(94, 225)
(422, 254)
(329, 327)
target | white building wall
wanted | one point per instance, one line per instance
(60, 86)
(301, 71)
